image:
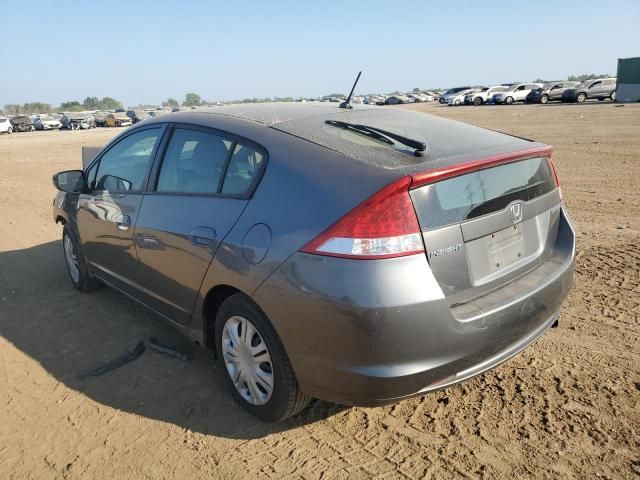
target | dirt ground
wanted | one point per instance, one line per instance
(567, 407)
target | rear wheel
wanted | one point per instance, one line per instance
(77, 266)
(257, 368)
(544, 99)
(613, 96)
(581, 97)
(10, 130)
(477, 101)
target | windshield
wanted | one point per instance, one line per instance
(46, 118)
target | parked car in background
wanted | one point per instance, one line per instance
(77, 121)
(100, 117)
(5, 125)
(119, 110)
(601, 88)
(158, 113)
(550, 91)
(397, 99)
(517, 93)
(404, 281)
(21, 123)
(480, 97)
(46, 122)
(375, 100)
(435, 96)
(117, 119)
(444, 98)
(458, 99)
(138, 115)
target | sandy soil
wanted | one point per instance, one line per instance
(568, 407)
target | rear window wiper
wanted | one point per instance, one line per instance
(389, 138)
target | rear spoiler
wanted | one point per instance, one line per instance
(435, 175)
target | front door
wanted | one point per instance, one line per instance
(202, 187)
(107, 214)
(555, 92)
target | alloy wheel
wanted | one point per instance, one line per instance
(247, 360)
(72, 259)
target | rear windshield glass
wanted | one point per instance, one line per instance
(483, 192)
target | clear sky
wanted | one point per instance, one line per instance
(146, 51)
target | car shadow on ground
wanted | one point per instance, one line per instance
(68, 332)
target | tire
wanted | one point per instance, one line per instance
(581, 97)
(508, 100)
(544, 99)
(81, 276)
(237, 315)
(477, 101)
(441, 100)
(10, 130)
(612, 96)
(457, 103)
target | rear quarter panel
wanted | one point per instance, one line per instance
(304, 190)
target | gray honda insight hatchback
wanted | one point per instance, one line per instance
(360, 255)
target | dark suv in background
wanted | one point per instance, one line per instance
(600, 88)
(550, 91)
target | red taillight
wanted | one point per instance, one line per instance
(383, 226)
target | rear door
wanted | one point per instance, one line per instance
(107, 214)
(196, 195)
(486, 228)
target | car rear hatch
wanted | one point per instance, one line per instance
(488, 225)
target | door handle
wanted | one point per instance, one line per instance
(202, 236)
(124, 223)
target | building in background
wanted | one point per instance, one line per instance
(628, 87)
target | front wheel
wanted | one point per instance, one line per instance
(544, 99)
(508, 100)
(581, 97)
(477, 101)
(77, 266)
(257, 368)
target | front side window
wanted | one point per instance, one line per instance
(124, 166)
(194, 162)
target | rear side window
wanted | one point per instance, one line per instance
(243, 169)
(486, 191)
(194, 162)
(124, 166)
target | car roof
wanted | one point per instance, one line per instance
(277, 112)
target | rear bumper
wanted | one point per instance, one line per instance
(374, 332)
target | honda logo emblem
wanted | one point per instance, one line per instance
(516, 212)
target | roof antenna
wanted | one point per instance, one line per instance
(347, 102)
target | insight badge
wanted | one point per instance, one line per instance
(445, 250)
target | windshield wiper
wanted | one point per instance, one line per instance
(382, 135)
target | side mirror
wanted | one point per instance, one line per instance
(71, 181)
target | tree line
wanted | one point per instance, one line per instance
(89, 103)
